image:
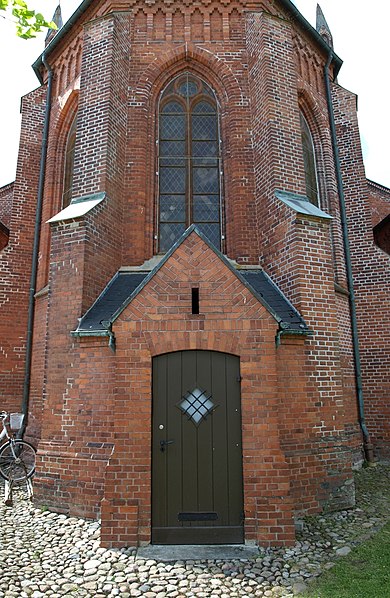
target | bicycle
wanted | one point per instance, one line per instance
(17, 457)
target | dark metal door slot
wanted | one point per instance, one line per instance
(197, 516)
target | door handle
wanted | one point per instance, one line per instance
(164, 443)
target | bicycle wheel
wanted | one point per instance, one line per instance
(17, 460)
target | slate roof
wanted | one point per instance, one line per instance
(264, 288)
(119, 289)
(124, 285)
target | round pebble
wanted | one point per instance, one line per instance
(47, 555)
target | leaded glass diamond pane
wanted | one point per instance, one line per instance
(172, 108)
(205, 180)
(172, 208)
(172, 148)
(206, 208)
(204, 127)
(204, 107)
(172, 127)
(204, 148)
(212, 232)
(172, 180)
(169, 234)
(207, 90)
(196, 405)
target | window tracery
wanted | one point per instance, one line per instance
(189, 161)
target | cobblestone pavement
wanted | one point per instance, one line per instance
(45, 554)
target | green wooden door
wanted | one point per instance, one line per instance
(197, 491)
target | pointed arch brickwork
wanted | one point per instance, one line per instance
(54, 179)
(231, 95)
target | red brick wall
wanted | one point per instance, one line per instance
(64, 102)
(15, 258)
(352, 427)
(38, 363)
(78, 440)
(99, 104)
(100, 160)
(319, 409)
(107, 400)
(371, 275)
(157, 321)
(64, 307)
(263, 70)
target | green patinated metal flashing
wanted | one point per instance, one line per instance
(301, 204)
(283, 331)
(91, 197)
(103, 333)
(80, 333)
(78, 207)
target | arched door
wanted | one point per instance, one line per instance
(197, 489)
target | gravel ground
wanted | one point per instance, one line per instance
(44, 554)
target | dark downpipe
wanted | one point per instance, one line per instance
(368, 448)
(35, 252)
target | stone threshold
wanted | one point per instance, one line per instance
(189, 552)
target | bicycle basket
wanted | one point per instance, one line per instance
(16, 421)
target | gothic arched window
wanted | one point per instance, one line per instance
(309, 160)
(69, 164)
(189, 162)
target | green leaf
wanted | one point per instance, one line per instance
(28, 22)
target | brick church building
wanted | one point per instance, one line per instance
(194, 274)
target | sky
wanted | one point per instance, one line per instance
(360, 36)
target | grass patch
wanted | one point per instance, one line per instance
(364, 573)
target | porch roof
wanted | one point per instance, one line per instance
(118, 291)
(125, 285)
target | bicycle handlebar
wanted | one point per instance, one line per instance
(3, 415)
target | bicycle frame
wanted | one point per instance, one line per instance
(5, 434)
(13, 444)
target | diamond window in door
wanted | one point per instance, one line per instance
(189, 161)
(197, 405)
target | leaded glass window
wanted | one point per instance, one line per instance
(69, 165)
(189, 162)
(197, 405)
(309, 160)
